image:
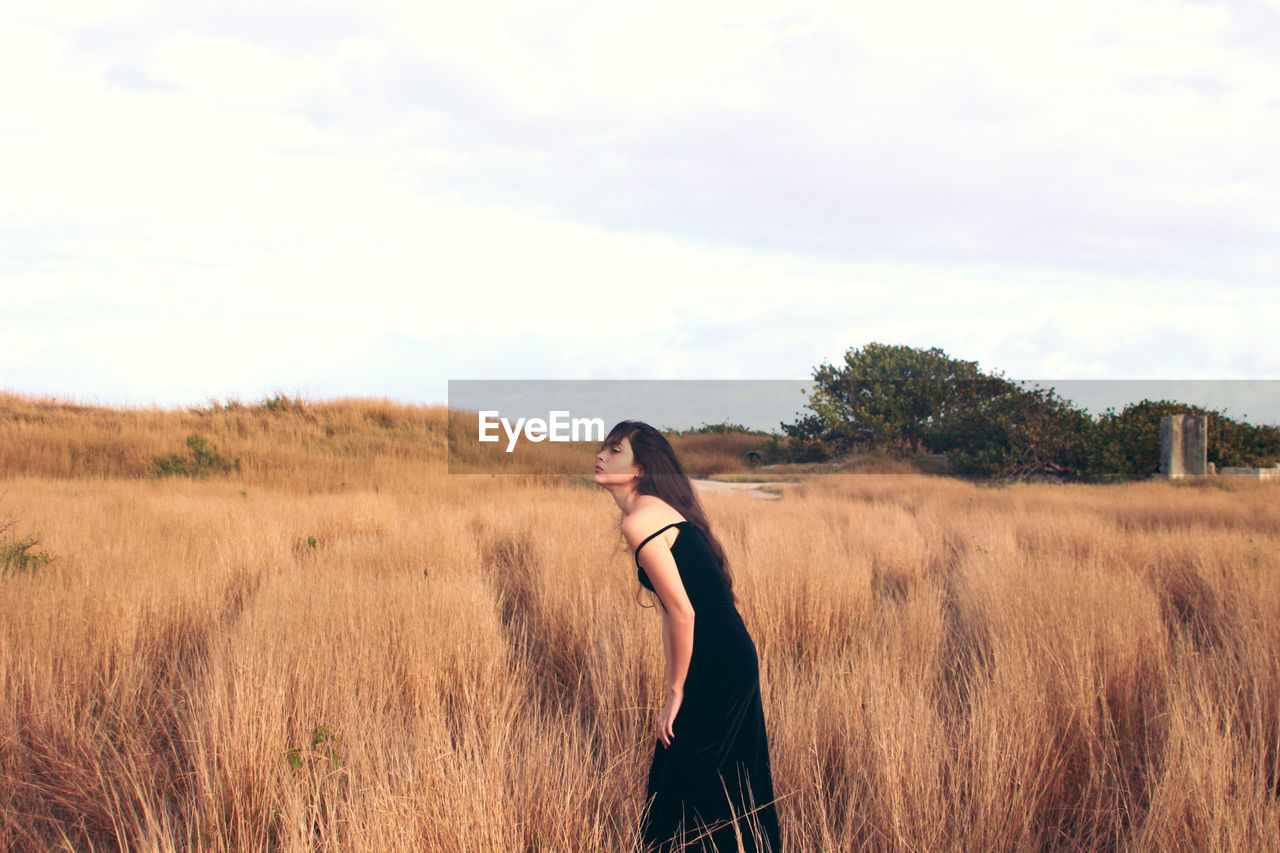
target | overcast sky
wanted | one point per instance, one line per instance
(210, 200)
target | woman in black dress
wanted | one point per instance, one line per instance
(710, 781)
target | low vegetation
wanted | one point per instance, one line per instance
(910, 401)
(20, 555)
(201, 460)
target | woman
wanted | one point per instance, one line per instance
(710, 779)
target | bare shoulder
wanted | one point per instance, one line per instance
(649, 517)
(637, 526)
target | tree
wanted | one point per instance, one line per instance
(907, 399)
(1128, 443)
(1018, 434)
(889, 396)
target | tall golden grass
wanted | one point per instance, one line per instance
(340, 646)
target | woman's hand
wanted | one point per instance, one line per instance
(667, 719)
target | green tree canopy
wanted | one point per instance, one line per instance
(1127, 444)
(1020, 433)
(889, 396)
(905, 399)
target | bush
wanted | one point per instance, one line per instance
(908, 400)
(202, 460)
(1022, 434)
(18, 556)
(890, 397)
(724, 428)
(1128, 443)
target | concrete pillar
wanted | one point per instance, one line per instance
(1184, 445)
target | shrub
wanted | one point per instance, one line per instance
(793, 449)
(1129, 441)
(723, 428)
(283, 403)
(18, 556)
(1024, 433)
(202, 460)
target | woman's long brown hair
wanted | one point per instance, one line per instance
(662, 476)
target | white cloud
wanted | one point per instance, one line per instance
(233, 72)
(383, 196)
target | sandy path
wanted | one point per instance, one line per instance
(751, 490)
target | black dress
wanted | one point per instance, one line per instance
(717, 766)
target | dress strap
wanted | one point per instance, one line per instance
(650, 536)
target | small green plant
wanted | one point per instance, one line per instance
(202, 459)
(305, 546)
(324, 746)
(281, 403)
(19, 556)
(723, 428)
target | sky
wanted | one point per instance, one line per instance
(209, 201)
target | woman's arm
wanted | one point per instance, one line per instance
(677, 638)
(677, 620)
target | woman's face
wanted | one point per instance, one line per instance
(615, 464)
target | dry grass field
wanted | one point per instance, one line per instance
(340, 646)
